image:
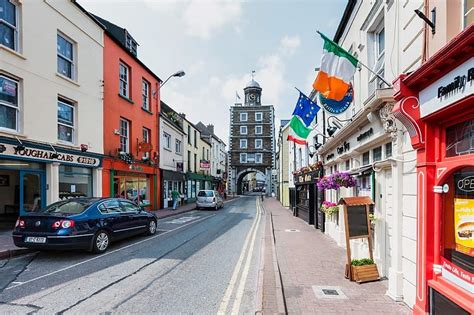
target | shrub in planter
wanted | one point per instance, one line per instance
(329, 207)
(336, 181)
(364, 270)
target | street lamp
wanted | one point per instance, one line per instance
(332, 129)
(177, 74)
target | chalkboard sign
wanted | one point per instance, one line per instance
(357, 221)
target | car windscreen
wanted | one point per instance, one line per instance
(203, 193)
(67, 207)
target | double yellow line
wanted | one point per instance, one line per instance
(242, 267)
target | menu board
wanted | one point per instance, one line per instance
(464, 225)
(357, 221)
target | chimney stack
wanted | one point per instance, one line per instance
(210, 128)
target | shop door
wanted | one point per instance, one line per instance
(32, 191)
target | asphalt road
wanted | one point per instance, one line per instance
(200, 262)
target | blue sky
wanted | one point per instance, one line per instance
(218, 43)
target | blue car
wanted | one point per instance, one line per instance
(82, 223)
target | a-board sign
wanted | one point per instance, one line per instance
(357, 221)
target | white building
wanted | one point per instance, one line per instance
(171, 154)
(387, 36)
(50, 104)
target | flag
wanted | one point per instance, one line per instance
(237, 95)
(303, 116)
(336, 71)
(337, 107)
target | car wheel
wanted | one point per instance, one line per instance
(216, 207)
(151, 227)
(101, 242)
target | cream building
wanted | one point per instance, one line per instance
(51, 102)
(368, 142)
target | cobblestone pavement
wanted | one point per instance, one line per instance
(310, 260)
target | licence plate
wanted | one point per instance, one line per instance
(32, 239)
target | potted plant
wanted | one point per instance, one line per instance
(336, 180)
(329, 207)
(364, 270)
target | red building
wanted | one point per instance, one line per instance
(131, 107)
(436, 104)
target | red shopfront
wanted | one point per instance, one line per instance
(436, 105)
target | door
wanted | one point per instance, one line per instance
(116, 219)
(32, 191)
(138, 220)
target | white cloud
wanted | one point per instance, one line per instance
(289, 45)
(203, 19)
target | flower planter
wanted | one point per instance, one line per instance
(363, 273)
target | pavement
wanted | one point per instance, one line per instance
(8, 249)
(200, 262)
(300, 261)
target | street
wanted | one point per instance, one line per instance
(198, 262)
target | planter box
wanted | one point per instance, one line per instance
(365, 273)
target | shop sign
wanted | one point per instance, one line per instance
(47, 155)
(136, 168)
(343, 148)
(179, 166)
(448, 89)
(307, 178)
(365, 135)
(459, 276)
(330, 157)
(204, 164)
(464, 225)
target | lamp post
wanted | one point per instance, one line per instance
(177, 74)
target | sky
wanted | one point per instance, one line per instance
(219, 42)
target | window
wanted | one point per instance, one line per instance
(388, 150)
(146, 138)
(377, 154)
(348, 165)
(468, 12)
(124, 80)
(189, 161)
(195, 162)
(366, 158)
(258, 158)
(250, 157)
(145, 95)
(74, 182)
(377, 61)
(167, 140)
(65, 51)
(65, 120)
(203, 155)
(258, 130)
(258, 143)
(195, 139)
(189, 134)
(131, 44)
(380, 42)
(129, 207)
(460, 139)
(243, 130)
(243, 116)
(9, 24)
(243, 143)
(258, 116)
(243, 157)
(8, 103)
(124, 135)
(178, 146)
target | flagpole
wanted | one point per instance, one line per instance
(363, 65)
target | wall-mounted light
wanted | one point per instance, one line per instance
(84, 147)
(336, 124)
(55, 155)
(431, 23)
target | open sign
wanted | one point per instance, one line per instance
(466, 184)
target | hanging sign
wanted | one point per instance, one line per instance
(337, 107)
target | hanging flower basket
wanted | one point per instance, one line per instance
(336, 181)
(329, 207)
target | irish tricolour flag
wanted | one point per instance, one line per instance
(336, 71)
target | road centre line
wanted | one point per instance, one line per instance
(245, 272)
(230, 288)
(108, 253)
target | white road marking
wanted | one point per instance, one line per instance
(245, 272)
(106, 253)
(183, 220)
(230, 288)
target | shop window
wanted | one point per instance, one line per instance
(9, 12)
(74, 182)
(124, 80)
(377, 154)
(145, 95)
(366, 158)
(388, 150)
(133, 188)
(66, 120)
(460, 139)
(459, 220)
(9, 108)
(66, 58)
(124, 135)
(468, 12)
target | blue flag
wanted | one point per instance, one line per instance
(306, 109)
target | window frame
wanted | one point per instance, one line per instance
(178, 146)
(243, 141)
(258, 146)
(166, 141)
(146, 96)
(73, 53)
(367, 153)
(125, 82)
(71, 105)
(16, 28)
(241, 130)
(126, 136)
(261, 130)
(260, 156)
(146, 134)
(259, 114)
(246, 117)
(243, 158)
(9, 105)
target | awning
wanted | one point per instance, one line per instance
(171, 175)
(364, 170)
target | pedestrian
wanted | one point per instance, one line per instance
(175, 197)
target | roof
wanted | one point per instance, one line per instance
(253, 84)
(171, 116)
(356, 201)
(345, 18)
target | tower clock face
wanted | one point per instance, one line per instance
(252, 97)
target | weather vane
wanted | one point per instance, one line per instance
(253, 74)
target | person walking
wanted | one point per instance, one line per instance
(175, 197)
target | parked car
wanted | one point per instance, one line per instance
(209, 199)
(82, 223)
